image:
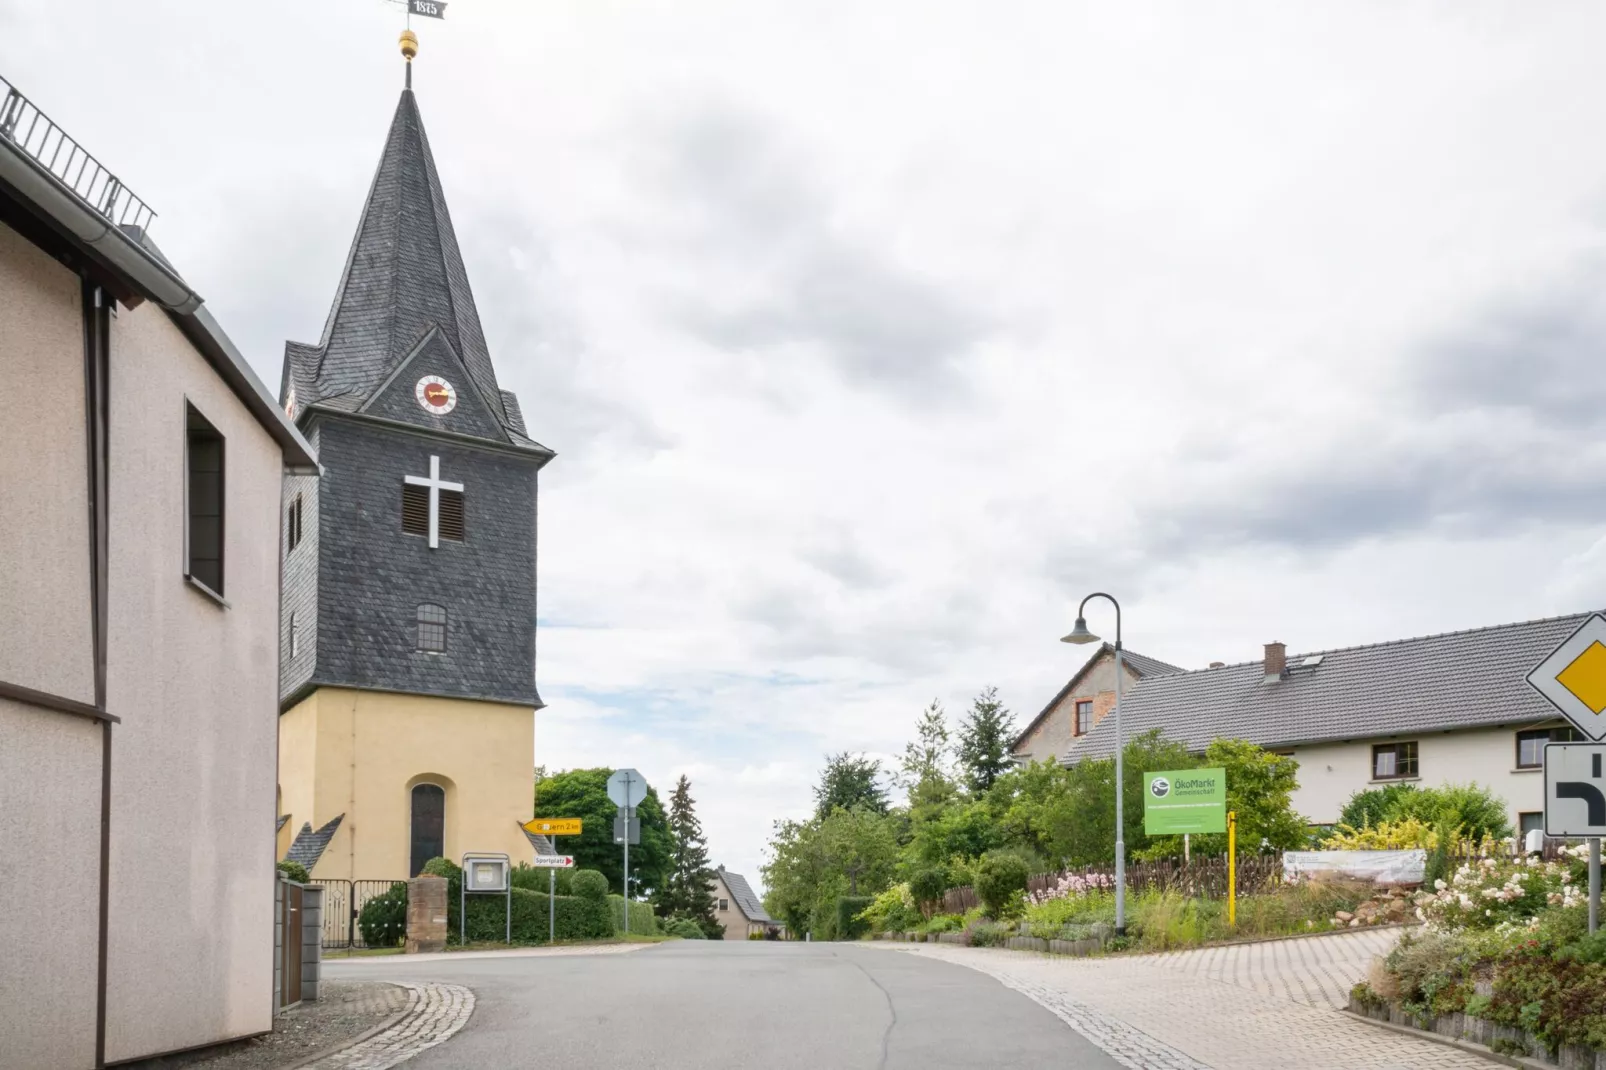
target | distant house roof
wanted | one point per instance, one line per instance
(746, 901)
(309, 845)
(1433, 683)
(542, 845)
(1140, 664)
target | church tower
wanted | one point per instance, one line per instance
(407, 653)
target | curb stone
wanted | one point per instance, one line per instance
(1456, 1042)
(412, 1001)
(434, 1014)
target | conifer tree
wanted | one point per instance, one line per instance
(688, 889)
(985, 736)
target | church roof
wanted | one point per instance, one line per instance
(404, 276)
(308, 846)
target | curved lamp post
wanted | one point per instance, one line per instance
(1080, 635)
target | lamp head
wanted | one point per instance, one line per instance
(1079, 634)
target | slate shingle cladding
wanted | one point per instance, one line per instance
(372, 577)
(404, 310)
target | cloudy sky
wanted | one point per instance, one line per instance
(872, 336)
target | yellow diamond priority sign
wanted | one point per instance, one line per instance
(1573, 678)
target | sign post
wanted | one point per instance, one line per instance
(1573, 679)
(1232, 869)
(551, 827)
(627, 788)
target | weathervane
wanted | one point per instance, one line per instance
(430, 9)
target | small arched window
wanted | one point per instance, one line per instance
(429, 825)
(432, 628)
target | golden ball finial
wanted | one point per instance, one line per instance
(409, 44)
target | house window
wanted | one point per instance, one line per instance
(203, 502)
(415, 512)
(292, 525)
(432, 628)
(295, 644)
(429, 825)
(1394, 761)
(1531, 745)
(1529, 822)
(724, 904)
(1084, 717)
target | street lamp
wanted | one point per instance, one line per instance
(1080, 635)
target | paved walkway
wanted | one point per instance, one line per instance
(435, 1012)
(1266, 1006)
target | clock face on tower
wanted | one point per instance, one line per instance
(435, 395)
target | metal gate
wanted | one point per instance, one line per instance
(290, 965)
(342, 907)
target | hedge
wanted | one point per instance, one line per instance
(642, 920)
(849, 926)
(383, 921)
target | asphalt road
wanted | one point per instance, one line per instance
(695, 1005)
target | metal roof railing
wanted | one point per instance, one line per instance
(48, 145)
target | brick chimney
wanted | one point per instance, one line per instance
(1218, 664)
(1276, 661)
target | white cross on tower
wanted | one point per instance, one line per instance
(435, 484)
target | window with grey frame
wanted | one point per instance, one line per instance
(1531, 745)
(203, 501)
(432, 628)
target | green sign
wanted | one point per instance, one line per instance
(1185, 800)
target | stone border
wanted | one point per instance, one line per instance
(435, 1013)
(1455, 1042)
(1092, 946)
(360, 1037)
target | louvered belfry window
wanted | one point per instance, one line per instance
(415, 512)
(415, 509)
(452, 515)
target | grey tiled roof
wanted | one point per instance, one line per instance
(1141, 664)
(404, 275)
(309, 845)
(1468, 679)
(746, 901)
(282, 819)
(542, 845)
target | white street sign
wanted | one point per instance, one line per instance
(553, 861)
(1575, 789)
(1573, 678)
(627, 787)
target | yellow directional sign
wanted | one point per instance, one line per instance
(1573, 678)
(553, 826)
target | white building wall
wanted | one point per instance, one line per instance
(1330, 773)
(190, 948)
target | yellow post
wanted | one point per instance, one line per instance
(1232, 867)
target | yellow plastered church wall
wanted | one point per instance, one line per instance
(479, 752)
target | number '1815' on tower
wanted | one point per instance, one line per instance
(407, 646)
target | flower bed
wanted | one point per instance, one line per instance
(1503, 960)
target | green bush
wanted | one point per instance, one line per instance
(577, 919)
(849, 926)
(294, 871)
(1372, 807)
(1001, 883)
(643, 922)
(588, 884)
(684, 928)
(383, 920)
(442, 867)
(540, 878)
(927, 885)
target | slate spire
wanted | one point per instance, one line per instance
(403, 276)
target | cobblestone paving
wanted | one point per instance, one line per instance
(435, 1012)
(1246, 1007)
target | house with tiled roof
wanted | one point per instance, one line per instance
(737, 908)
(1081, 704)
(1435, 709)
